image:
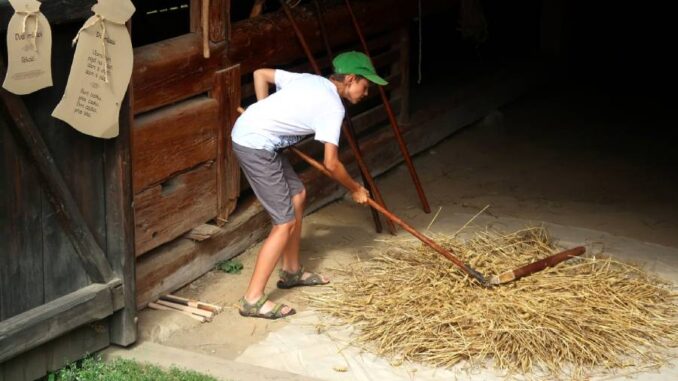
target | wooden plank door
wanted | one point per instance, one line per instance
(66, 243)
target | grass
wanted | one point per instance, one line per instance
(95, 369)
(230, 266)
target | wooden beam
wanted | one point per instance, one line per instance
(172, 139)
(168, 210)
(91, 255)
(404, 90)
(172, 70)
(48, 321)
(194, 16)
(219, 20)
(120, 224)
(56, 354)
(379, 42)
(226, 91)
(264, 40)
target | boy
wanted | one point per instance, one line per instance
(303, 104)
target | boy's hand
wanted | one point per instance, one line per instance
(361, 195)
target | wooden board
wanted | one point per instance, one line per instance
(48, 321)
(182, 260)
(172, 70)
(173, 139)
(56, 354)
(226, 92)
(219, 20)
(120, 224)
(20, 216)
(78, 159)
(265, 41)
(167, 210)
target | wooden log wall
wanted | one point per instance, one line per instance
(184, 171)
(160, 228)
(268, 41)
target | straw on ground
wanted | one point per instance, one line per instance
(589, 315)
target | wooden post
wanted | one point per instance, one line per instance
(120, 223)
(205, 28)
(220, 24)
(194, 14)
(226, 91)
(404, 116)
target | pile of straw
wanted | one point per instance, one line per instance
(588, 315)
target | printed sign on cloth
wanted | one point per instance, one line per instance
(29, 49)
(101, 70)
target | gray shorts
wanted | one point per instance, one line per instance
(272, 179)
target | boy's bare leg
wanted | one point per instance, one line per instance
(290, 257)
(267, 258)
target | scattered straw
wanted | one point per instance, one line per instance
(586, 316)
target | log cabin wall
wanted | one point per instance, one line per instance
(184, 106)
(178, 130)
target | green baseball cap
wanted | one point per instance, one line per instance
(357, 63)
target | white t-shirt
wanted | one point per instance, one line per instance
(303, 104)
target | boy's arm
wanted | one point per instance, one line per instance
(339, 173)
(263, 78)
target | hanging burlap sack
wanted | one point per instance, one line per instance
(29, 49)
(101, 70)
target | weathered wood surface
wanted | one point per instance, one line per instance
(56, 11)
(120, 224)
(48, 321)
(167, 210)
(264, 41)
(172, 70)
(405, 84)
(170, 140)
(183, 260)
(70, 166)
(219, 20)
(79, 159)
(387, 43)
(171, 266)
(226, 92)
(21, 254)
(56, 354)
(175, 69)
(88, 250)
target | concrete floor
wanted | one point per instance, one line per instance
(566, 154)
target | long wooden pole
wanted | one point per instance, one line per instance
(505, 277)
(349, 123)
(432, 244)
(346, 127)
(537, 266)
(392, 119)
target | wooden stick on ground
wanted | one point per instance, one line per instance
(209, 315)
(157, 306)
(192, 303)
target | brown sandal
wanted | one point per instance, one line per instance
(254, 310)
(289, 280)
